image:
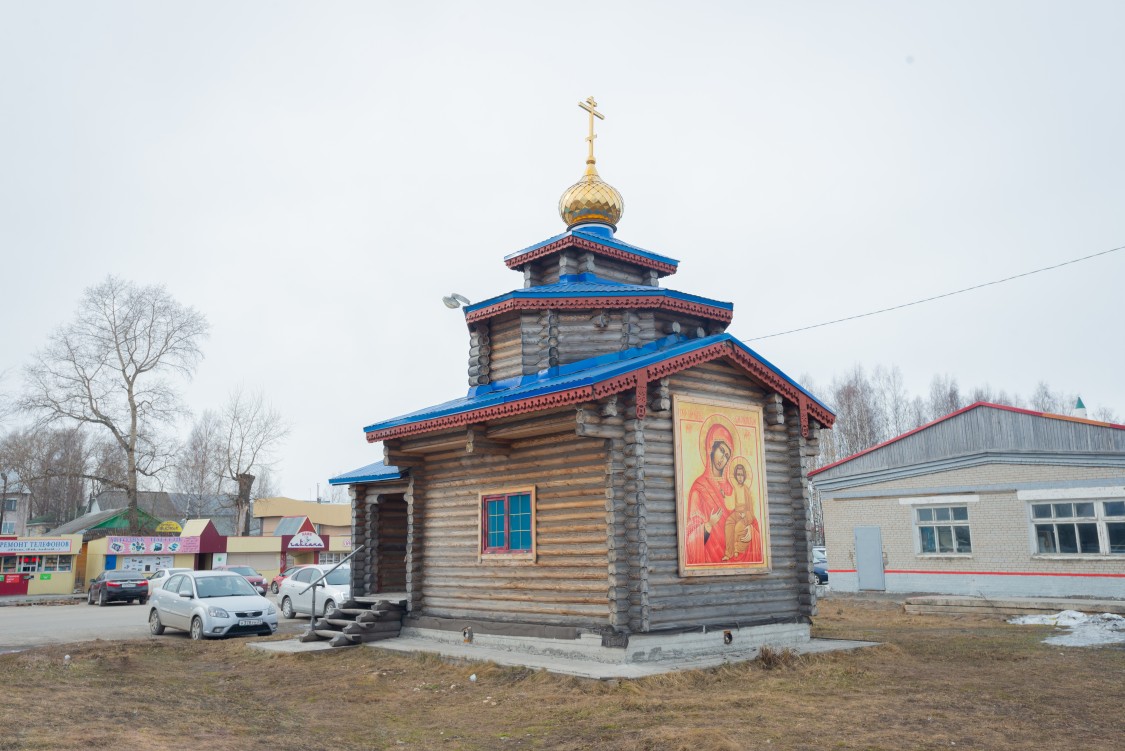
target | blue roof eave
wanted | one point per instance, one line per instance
(559, 291)
(578, 375)
(372, 473)
(600, 239)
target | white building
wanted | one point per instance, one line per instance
(989, 500)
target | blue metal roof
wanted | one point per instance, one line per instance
(575, 375)
(591, 285)
(377, 472)
(601, 236)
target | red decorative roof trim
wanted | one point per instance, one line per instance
(584, 244)
(645, 302)
(638, 379)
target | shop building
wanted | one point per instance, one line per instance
(39, 565)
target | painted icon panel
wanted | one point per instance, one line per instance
(721, 505)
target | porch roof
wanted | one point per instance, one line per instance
(377, 472)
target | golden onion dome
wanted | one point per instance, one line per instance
(591, 199)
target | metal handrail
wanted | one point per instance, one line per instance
(315, 584)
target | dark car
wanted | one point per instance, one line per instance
(820, 566)
(117, 586)
(251, 575)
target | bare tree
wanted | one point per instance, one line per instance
(858, 418)
(109, 369)
(8, 406)
(9, 470)
(264, 484)
(51, 466)
(893, 401)
(200, 464)
(945, 396)
(251, 430)
(1104, 414)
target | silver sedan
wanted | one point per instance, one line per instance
(296, 597)
(211, 605)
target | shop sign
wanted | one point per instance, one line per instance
(44, 577)
(12, 578)
(153, 545)
(169, 528)
(306, 540)
(10, 547)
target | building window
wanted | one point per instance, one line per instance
(28, 564)
(8, 564)
(56, 563)
(507, 523)
(332, 558)
(11, 504)
(8, 528)
(944, 529)
(1079, 527)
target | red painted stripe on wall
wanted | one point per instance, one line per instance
(980, 573)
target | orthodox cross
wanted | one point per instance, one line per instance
(590, 106)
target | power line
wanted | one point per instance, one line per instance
(938, 297)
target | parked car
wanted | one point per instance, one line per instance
(820, 565)
(285, 575)
(157, 578)
(115, 586)
(336, 590)
(251, 575)
(211, 605)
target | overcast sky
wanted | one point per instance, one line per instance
(314, 177)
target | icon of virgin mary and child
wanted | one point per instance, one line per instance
(722, 521)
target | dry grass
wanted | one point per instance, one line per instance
(938, 682)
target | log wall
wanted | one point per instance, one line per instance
(506, 335)
(589, 333)
(548, 270)
(565, 585)
(526, 343)
(606, 536)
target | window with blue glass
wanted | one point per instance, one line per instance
(506, 521)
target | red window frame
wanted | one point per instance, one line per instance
(506, 497)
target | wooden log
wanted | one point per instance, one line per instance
(545, 425)
(476, 442)
(390, 606)
(378, 627)
(378, 636)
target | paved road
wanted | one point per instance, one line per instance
(40, 625)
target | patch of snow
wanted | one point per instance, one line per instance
(1084, 630)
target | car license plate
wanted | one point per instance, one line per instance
(250, 622)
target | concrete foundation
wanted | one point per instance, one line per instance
(731, 645)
